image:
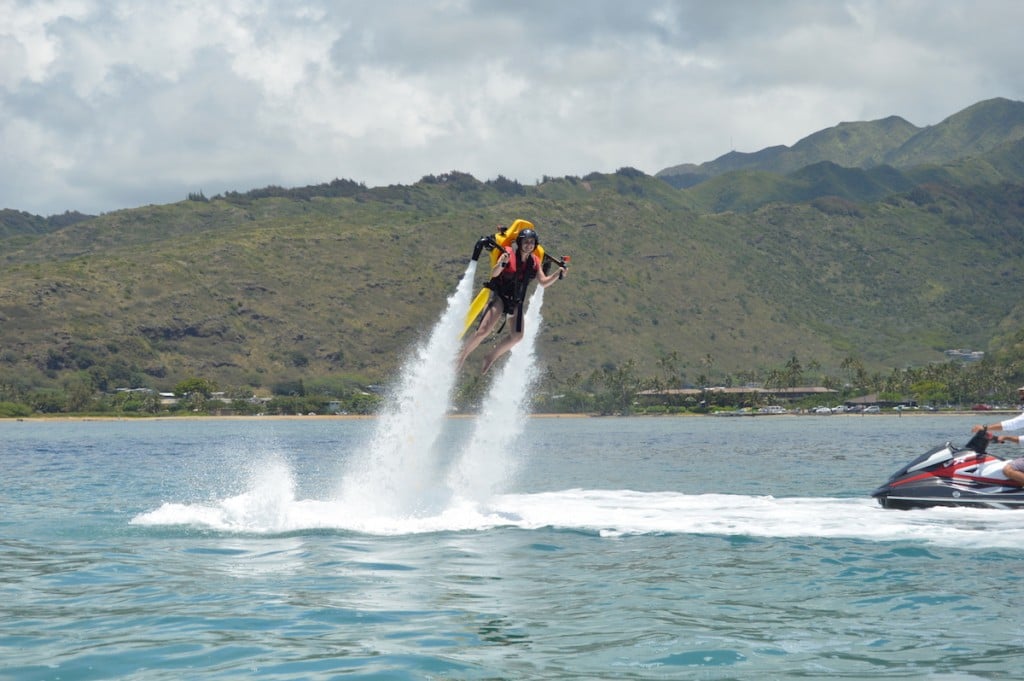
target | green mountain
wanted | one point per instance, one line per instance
(976, 131)
(854, 145)
(864, 162)
(890, 265)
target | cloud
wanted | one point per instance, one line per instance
(106, 105)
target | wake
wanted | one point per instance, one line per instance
(403, 476)
(268, 509)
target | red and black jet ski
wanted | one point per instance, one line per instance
(949, 476)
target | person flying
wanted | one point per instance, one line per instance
(510, 278)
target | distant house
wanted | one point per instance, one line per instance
(965, 355)
(787, 394)
(873, 400)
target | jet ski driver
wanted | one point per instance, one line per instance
(1013, 470)
(509, 280)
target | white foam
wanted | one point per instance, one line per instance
(612, 513)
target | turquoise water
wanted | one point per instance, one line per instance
(642, 548)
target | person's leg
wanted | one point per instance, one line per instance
(492, 315)
(1013, 472)
(504, 346)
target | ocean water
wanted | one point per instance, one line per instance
(636, 548)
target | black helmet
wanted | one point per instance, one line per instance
(527, 234)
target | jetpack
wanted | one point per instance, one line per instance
(495, 245)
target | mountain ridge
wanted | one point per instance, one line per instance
(889, 266)
(975, 130)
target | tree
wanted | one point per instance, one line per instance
(708, 362)
(793, 374)
(620, 388)
(14, 409)
(930, 392)
(855, 371)
(80, 394)
(194, 392)
(195, 386)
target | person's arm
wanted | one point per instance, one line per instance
(1016, 423)
(499, 266)
(1008, 438)
(546, 280)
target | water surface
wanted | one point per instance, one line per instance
(640, 548)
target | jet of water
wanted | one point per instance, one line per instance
(489, 460)
(401, 473)
(398, 472)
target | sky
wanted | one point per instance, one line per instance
(111, 104)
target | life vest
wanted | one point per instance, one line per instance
(511, 283)
(516, 275)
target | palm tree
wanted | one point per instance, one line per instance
(794, 373)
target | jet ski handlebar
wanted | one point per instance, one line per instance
(979, 442)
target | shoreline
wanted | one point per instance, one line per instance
(364, 417)
(245, 417)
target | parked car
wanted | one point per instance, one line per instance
(873, 409)
(982, 407)
(822, 410)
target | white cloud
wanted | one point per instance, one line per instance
(105, 105)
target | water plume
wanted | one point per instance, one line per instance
(489, 459)
(398, 471)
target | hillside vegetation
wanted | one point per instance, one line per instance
(889, 245)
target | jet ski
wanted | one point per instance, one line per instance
(950, 476)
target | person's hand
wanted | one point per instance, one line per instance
(503, 260)
(977, 429)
